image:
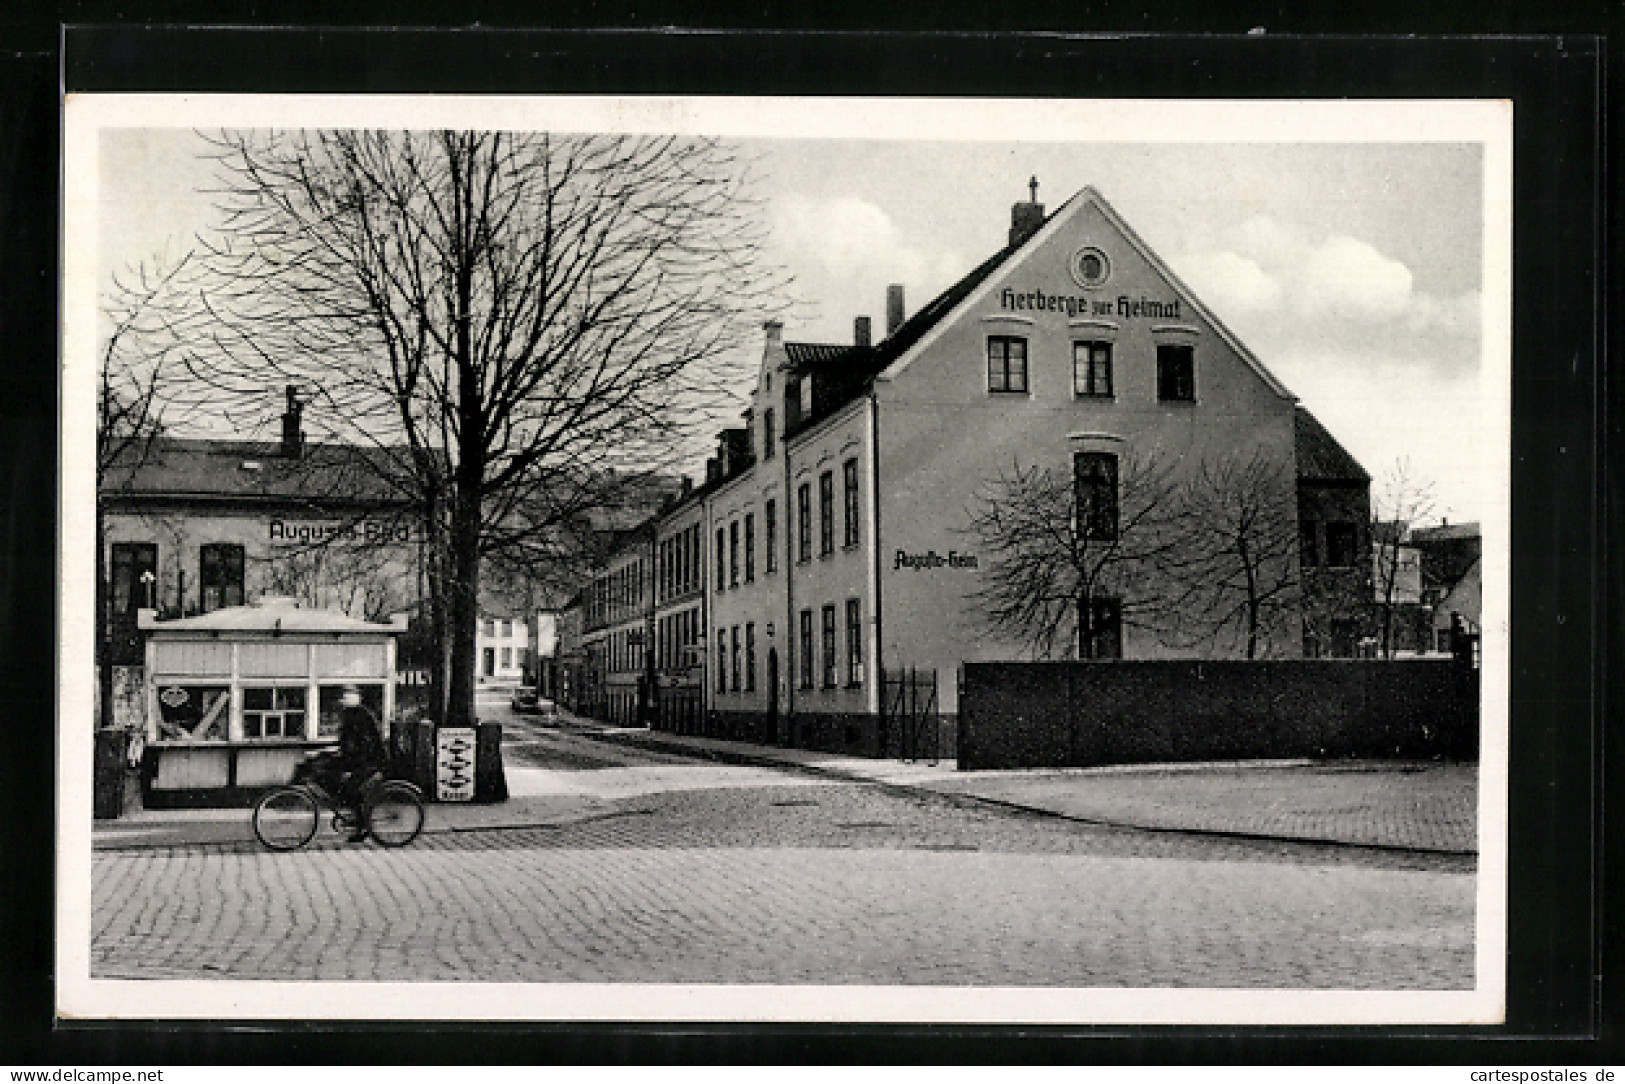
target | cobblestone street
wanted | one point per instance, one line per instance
(835, 882)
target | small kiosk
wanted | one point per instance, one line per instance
(237, 697)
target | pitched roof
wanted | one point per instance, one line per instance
(1447, 532)
(804, 354)
(842, 372)
(180, 469)
(1087, 195)
(1320, 457)
(848, 370)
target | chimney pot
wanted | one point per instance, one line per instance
(1026, 218)
(894, 308)
(860, 331)
(293, 437)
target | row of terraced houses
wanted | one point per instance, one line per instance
(824, 565)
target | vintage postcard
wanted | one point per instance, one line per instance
(740, 559)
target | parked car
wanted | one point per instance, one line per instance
(528, 702)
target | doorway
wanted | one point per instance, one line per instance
(773, 695)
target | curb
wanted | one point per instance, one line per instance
(971, 801)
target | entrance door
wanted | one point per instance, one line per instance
(773, 693)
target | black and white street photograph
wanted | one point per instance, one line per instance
(777, 559)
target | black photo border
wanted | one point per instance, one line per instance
(1561, 599)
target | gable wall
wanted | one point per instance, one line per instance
(942, 434)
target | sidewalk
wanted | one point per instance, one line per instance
(1405, 806)
(1398, 805)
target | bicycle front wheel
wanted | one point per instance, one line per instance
(395, 816)
(286, 818)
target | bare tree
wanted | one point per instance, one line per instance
(1235, 555)
(1059, 545)
(149, 322)
(1403, 502)
(515, 322)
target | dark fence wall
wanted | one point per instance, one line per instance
(1080, 714)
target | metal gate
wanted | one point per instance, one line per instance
(910, 724)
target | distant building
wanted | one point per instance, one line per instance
(1461, 609)
(1334, 541)
(193, 526)
(1452, 578)
(502, 650)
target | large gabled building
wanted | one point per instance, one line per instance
(839, 561)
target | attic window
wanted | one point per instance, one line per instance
(1090, 267)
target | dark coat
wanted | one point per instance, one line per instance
(361, 747)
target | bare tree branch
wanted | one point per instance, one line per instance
(1402, 502)
(516, 323)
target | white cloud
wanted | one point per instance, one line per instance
(1229, 281)
(837, 235)
(846, 251)
(1347, 278)
(1269, 241)
(1287, 293)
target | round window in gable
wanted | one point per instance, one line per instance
(1090, 268)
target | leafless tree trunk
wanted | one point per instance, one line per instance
(1236, 551)
(516, 323)
(1049, 562)
(1402, 502)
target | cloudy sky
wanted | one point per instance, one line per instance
(1354, 271)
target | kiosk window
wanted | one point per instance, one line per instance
(194, 712)
(274, 712)
(332, 705)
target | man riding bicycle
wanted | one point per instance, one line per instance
(361, 755)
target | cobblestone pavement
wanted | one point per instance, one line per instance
(1405, 805)
(1427, 807)
(842, 883)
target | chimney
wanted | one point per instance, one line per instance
(773, 332)
(713, 470)
(1025, 218)
(686, 487)
(860, 331)
(293, 440)
(894, 308)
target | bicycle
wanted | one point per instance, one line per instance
(287, 817)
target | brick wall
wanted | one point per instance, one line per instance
(1079, 714)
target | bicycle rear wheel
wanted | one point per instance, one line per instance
(286, 818)
(395, 815)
